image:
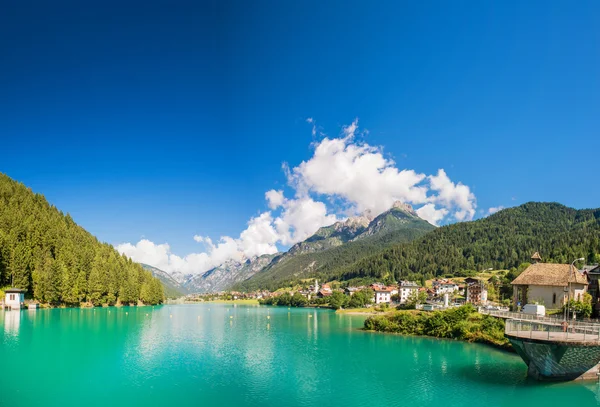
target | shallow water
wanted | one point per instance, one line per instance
(220, 354)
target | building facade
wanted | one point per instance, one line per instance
(14, 298)
(549, 284)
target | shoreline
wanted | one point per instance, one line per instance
(507, 349)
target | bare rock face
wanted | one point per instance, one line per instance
(405, 207)
(227, 274)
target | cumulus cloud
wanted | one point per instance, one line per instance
(274, 198)
(299, 219)
(431, 214)
(360, 174)
(302, 218)
(493, 210)
(160, 256)
(453, 195)
(351, 176)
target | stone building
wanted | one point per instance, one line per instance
(548, 284)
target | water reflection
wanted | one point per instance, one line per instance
(12, 322)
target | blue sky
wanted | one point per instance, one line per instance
(165, 121)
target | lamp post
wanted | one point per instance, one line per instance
(569, 285)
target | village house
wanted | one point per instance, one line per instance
(406, 289)
(352, 290)
(383, 295)
(548, 284)
(476, 293)
(14, 298)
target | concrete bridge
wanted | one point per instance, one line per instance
(556, 350)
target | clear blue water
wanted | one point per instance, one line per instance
(225, 355)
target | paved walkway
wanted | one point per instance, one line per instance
(557, 336)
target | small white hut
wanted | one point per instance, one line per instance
(14, 298)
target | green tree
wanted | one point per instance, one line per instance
(338, 300)
(298, 300)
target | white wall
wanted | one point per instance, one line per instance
(545, 293)
(18, 299)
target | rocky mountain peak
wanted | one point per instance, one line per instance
(357, 221)
(405, 207)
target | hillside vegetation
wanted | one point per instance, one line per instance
(463, 323)
(171, 287)
(289, 269)
(501, 241)
(46, 253)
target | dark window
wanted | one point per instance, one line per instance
(554, 298)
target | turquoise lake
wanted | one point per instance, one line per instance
(225, 355)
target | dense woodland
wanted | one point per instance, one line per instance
(46, 253)
(501, 241)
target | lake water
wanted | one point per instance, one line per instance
(225, 355)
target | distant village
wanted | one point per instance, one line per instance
(441, 293)
(551, 287)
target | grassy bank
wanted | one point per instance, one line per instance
(463, 323)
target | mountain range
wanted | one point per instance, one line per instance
(399, 245)
(341, 243)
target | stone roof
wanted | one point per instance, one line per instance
(550, 274)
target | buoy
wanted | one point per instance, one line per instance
(146, 314)
(231, 317)
(170, 316)
(127, 313)
(268, 317)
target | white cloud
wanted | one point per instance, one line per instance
(453, 195)
(160, 256)
(360, 174)
(350, 176)
(431, 214)
(301, 218)
(493, 210)
(274, 198)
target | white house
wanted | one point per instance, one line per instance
(407, 288)
(14, 298)
(383, 295)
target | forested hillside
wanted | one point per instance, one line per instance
(46, 253)
(171, 287)
(395, 226)
(501, 241)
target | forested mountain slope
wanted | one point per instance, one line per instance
(339, 245)
(500, 241)
(46, 253)
(172, 288)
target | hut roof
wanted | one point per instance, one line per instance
(550, 274)
(536, 256)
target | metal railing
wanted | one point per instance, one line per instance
(532, 317)
(520, 315)
(556, 330)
